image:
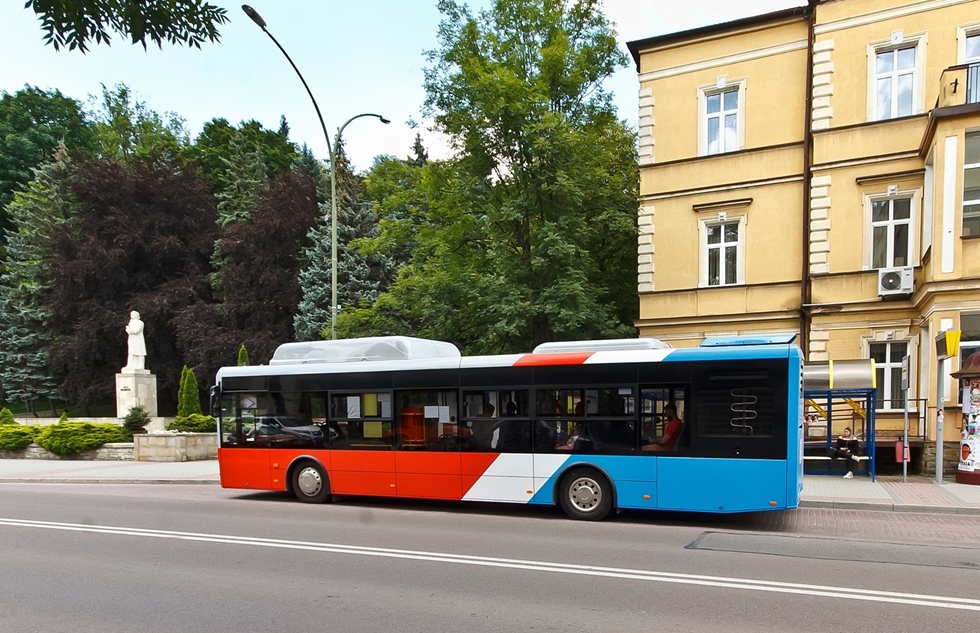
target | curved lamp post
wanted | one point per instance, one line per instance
(331, 147)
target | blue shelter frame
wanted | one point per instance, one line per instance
(859, 401)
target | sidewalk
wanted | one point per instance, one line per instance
(889, 493)
(920, 494)
(107, 472)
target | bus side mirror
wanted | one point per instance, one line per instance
(215, 401)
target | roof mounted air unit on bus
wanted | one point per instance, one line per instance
(375, 348)
(781, 338)
(611, 345)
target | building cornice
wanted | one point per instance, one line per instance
(881, 15)
(734, 186)
(724, 60)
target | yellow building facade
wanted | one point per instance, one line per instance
(817, 170)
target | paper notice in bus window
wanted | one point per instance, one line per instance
(371, 405)
(385, 400)
(432, 411)
(373, 428)
(444, 414)
(353, 407)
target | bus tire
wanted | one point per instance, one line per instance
(310, 483)
(586, 495)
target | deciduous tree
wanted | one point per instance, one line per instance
(530, 231)
(75, 23)
(140, 239)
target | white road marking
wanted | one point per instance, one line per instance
(868, 595)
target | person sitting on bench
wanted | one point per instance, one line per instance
(847, 447)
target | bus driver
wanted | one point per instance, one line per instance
(672, 431)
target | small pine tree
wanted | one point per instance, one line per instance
(63, 418)
(136, 421)
(242, 356)
(6, 416)
(190, 401)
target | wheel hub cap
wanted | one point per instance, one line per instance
(309, 481)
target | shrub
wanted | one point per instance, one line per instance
(63, 418)
(136, 421)
(242, 356)
(194, 423)
(6, 416)
(14, 437)
(72, 438)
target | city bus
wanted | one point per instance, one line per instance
(585, 425)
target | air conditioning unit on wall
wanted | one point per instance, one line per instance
(895, 281)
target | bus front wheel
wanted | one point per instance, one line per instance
(310, 483)
(586, 495)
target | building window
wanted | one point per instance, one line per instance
(894, 82)
(722, 244)
(722, 121)
(969, 336)
(973, 48)
(971, 185)
(891, 223)
(722, 116)
(888, 373)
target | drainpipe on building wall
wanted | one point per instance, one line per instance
(805, 290)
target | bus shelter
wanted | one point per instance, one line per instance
(838, 394)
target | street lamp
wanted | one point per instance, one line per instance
(254, 15)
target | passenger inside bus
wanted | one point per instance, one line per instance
(673, 427)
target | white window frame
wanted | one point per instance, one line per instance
(722, 85)
(968, 166)
(721, 219)
(915, 214)
(888, 373)
(964, 31)
(917, 41)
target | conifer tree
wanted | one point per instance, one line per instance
(189, 399)
(242, 356)
(181, 386)
(358, 276)
(24, 314)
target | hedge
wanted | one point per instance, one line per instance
(72, 438)
(194, 423)
(16, 437)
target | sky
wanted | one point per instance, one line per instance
(357, 56)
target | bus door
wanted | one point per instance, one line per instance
(243, 463)
(426, 441)
(495, 444)
(360, 436)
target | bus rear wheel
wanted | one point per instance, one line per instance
(310, 484)
(586, 495)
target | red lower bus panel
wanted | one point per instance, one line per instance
(245, 468)
(362, 472)
(429, 475)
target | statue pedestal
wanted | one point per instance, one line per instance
(136, 387)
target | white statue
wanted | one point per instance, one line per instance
(137, 345)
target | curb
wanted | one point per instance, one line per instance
(54, 480)
(889, 507)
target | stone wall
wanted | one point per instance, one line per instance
(951, 459)
(117, 451)
(171, 447)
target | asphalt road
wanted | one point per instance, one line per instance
(124, 558)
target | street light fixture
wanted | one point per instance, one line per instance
(331, 147)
